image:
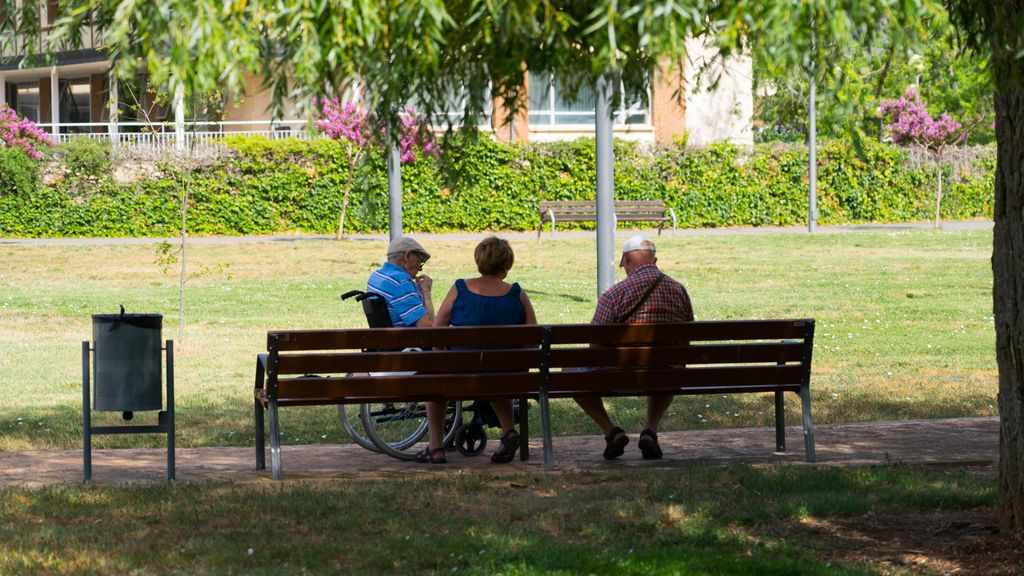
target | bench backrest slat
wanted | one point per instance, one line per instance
(399, 338)
(623, 208)
(680, 332)
(774, 353)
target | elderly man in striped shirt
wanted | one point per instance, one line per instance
(404, 288)
(646, 295)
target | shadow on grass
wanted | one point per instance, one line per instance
(570, 297)
(696, 520)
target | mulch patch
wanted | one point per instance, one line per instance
(940, 542)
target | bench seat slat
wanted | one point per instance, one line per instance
(590, 217)
(425, 361)
(418, 386)
(681, 378)
(679, 391)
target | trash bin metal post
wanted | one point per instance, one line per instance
(170, 410)
(86, 418)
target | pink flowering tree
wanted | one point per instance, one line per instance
(910, 124)
(350, 125)
(22, 133)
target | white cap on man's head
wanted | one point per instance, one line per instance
(403, 244)
(638, 242)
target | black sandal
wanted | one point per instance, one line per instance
(648, 444)
(429, 456)
(615, 443)
(509, 445)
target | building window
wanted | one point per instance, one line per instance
(27, 100)
(51, 12)
(549, 107)
(74, 104)
(455, 103)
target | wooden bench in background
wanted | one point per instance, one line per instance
(536, 362)
(586, 211)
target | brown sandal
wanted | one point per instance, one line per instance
(429, 456)
(509, 445)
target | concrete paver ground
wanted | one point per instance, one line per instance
(967, 442)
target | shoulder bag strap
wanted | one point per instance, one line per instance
(640, 302)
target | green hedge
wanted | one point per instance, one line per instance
(277, 186)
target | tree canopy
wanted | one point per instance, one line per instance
(854, 80)
(453, 56)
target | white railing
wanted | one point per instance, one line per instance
(158, 137)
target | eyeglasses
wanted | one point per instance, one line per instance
(423, 257)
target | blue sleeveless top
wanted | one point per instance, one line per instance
(471, 309)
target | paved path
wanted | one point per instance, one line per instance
(953, 225)
(957, 442)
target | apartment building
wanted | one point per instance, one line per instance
(76, 97)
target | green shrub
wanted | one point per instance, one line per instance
(19, 174)
(84, 156)
(268, 186)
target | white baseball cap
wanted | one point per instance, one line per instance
(403, 244)
(638, 242)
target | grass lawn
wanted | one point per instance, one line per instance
(696, 519)
(904, 330)
(904, 323)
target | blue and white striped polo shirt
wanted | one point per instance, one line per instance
(396, 286)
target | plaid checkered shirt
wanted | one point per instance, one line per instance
(669, 301)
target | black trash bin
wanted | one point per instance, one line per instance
(127, 362)
(126, 369)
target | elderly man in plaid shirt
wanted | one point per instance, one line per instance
(646, 295)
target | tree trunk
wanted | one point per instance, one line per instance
(352, 159)
(1008, 296)
(938, 192)
(183, 272)
(344, 208)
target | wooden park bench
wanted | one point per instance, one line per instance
(586, 211)
(535, 362)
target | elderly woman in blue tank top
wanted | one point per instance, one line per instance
(484, 301)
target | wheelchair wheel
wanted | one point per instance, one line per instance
(394, 427)
(353, 425)
(470, 439)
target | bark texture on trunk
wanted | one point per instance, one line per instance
(1008, 296)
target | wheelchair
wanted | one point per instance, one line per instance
(394, 428)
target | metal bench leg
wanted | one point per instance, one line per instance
(805, 403)
(780, 422)
(257, 414)
(275, 440)
(524, 429)
(545, 426)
